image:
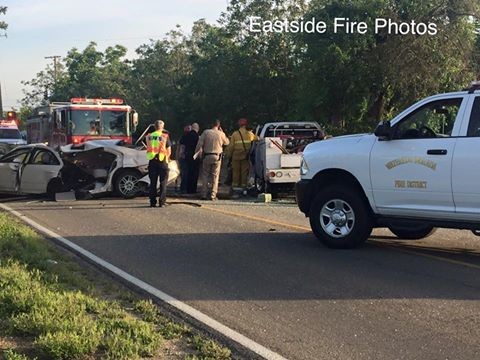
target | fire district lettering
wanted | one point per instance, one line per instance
(410, 184)
(411, 160)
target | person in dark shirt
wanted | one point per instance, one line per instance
(180, 156)
(193, 165)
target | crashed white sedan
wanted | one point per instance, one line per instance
(95, 167)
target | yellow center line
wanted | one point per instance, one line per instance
(302, 229)
(418, 253)
(259, 219)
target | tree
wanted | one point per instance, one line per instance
(352, 81)
(3, 24)
(89, 73)
(41, 88)
(158, 80)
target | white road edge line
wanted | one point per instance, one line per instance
(187, 309)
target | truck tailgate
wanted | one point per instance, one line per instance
(290, 160)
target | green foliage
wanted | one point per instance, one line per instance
(167, 328)
(68, 344)
(12, 355)
(128, 338)
(210, 350)
(147, 310)
(69, 324)
(64, 323)
(172, 330)
(20, 242)
(354, 81)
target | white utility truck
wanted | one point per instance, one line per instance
(416, 172)
(278, 153)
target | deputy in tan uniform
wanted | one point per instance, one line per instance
(238, 151)
(211, 145)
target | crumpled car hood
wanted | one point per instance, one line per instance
(128, 156)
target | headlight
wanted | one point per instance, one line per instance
(303, 167)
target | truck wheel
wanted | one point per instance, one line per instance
(126, 184)
(340, 218)
(262, 186)
(259, 185)
(412, 231)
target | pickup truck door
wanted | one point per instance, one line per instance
(411, 173)
(466, 170)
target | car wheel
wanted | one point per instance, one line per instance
(411, 231)
(126, 184)
(54, 186)
(340, 218)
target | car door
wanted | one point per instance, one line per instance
(411, 172)
(465, 171)
(42, 167)
(11, 166)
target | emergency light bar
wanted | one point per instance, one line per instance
(8, 123)
(96, 101)
(11, 115)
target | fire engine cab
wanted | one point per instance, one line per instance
(80, 120)
(9, 134)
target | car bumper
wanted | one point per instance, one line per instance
(302, 193)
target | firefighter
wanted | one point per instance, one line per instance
(158, 153)
(93, 128)
(239, 152)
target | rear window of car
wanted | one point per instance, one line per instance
(10, 134)
(295, 131)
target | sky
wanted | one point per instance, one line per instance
(40, 28)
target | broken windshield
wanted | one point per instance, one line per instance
(95, 122)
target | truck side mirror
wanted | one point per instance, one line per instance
(135, 121)
(384, 130)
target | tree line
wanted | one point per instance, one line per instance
(346, 82)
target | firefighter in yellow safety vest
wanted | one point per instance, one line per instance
(158, 153)
(239, 152)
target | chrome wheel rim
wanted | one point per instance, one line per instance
(337, 218)
(128, 184)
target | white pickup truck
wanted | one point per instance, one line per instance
(278, 153)
(416, 172)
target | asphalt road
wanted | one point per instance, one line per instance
(278, 286)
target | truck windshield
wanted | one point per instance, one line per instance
(95, 122)
(10, 134)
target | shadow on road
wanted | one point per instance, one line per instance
(281, 266)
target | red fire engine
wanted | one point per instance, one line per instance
(80, 120)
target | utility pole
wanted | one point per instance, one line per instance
(55, 65)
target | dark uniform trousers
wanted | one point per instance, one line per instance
(158, 170)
